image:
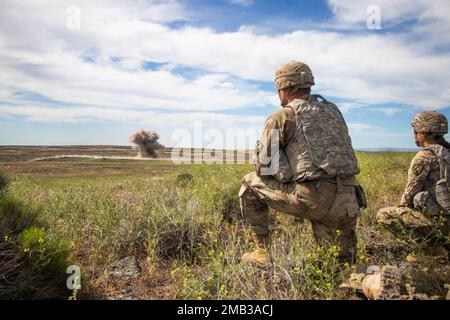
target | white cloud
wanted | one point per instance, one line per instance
(376, 132)
(366, 68)
(69, 79)
(432, 29)
(388, 111)
(355, 128)
(35, 113)
(350, 106)
(244, 3)
(365, 135)
(352, 13)
(196, 128)
(254, 29)
(100, 65)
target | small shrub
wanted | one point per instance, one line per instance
(181, 241)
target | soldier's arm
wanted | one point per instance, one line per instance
(280, 122)
(417, 174)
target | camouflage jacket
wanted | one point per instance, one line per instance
(423, 174)
(282, 120)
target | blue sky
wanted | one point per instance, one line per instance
(95, 72)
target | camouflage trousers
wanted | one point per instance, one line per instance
(316, 200)
(423, 222)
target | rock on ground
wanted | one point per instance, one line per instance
(124, 269)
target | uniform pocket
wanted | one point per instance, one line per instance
(307, 194)
(346, 203)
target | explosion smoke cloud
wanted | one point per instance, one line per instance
(147, 142)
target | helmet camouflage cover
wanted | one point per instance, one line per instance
(430, 121)
(294, 73)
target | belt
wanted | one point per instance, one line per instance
(347, 181)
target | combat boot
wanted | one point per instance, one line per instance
(384, 285)
(260, 256)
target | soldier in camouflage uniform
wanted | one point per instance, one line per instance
(423, 212)
(314, 172)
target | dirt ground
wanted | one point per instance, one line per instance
(85, 168)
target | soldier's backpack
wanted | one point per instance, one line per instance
(442, 188)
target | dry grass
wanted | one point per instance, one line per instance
(182, 223)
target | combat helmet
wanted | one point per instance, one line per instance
(294, 73)
(430, 121)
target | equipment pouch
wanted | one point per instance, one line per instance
(442, 194)
(361, 197)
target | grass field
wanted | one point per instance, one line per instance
(186, 235)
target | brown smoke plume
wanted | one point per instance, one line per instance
(147, 142)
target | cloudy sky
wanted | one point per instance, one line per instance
(92, 72)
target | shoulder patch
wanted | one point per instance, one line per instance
(418, 169)
(426, 152)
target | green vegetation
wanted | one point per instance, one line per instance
(33, 264)
(187, 234)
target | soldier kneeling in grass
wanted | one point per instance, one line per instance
(424, 211)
